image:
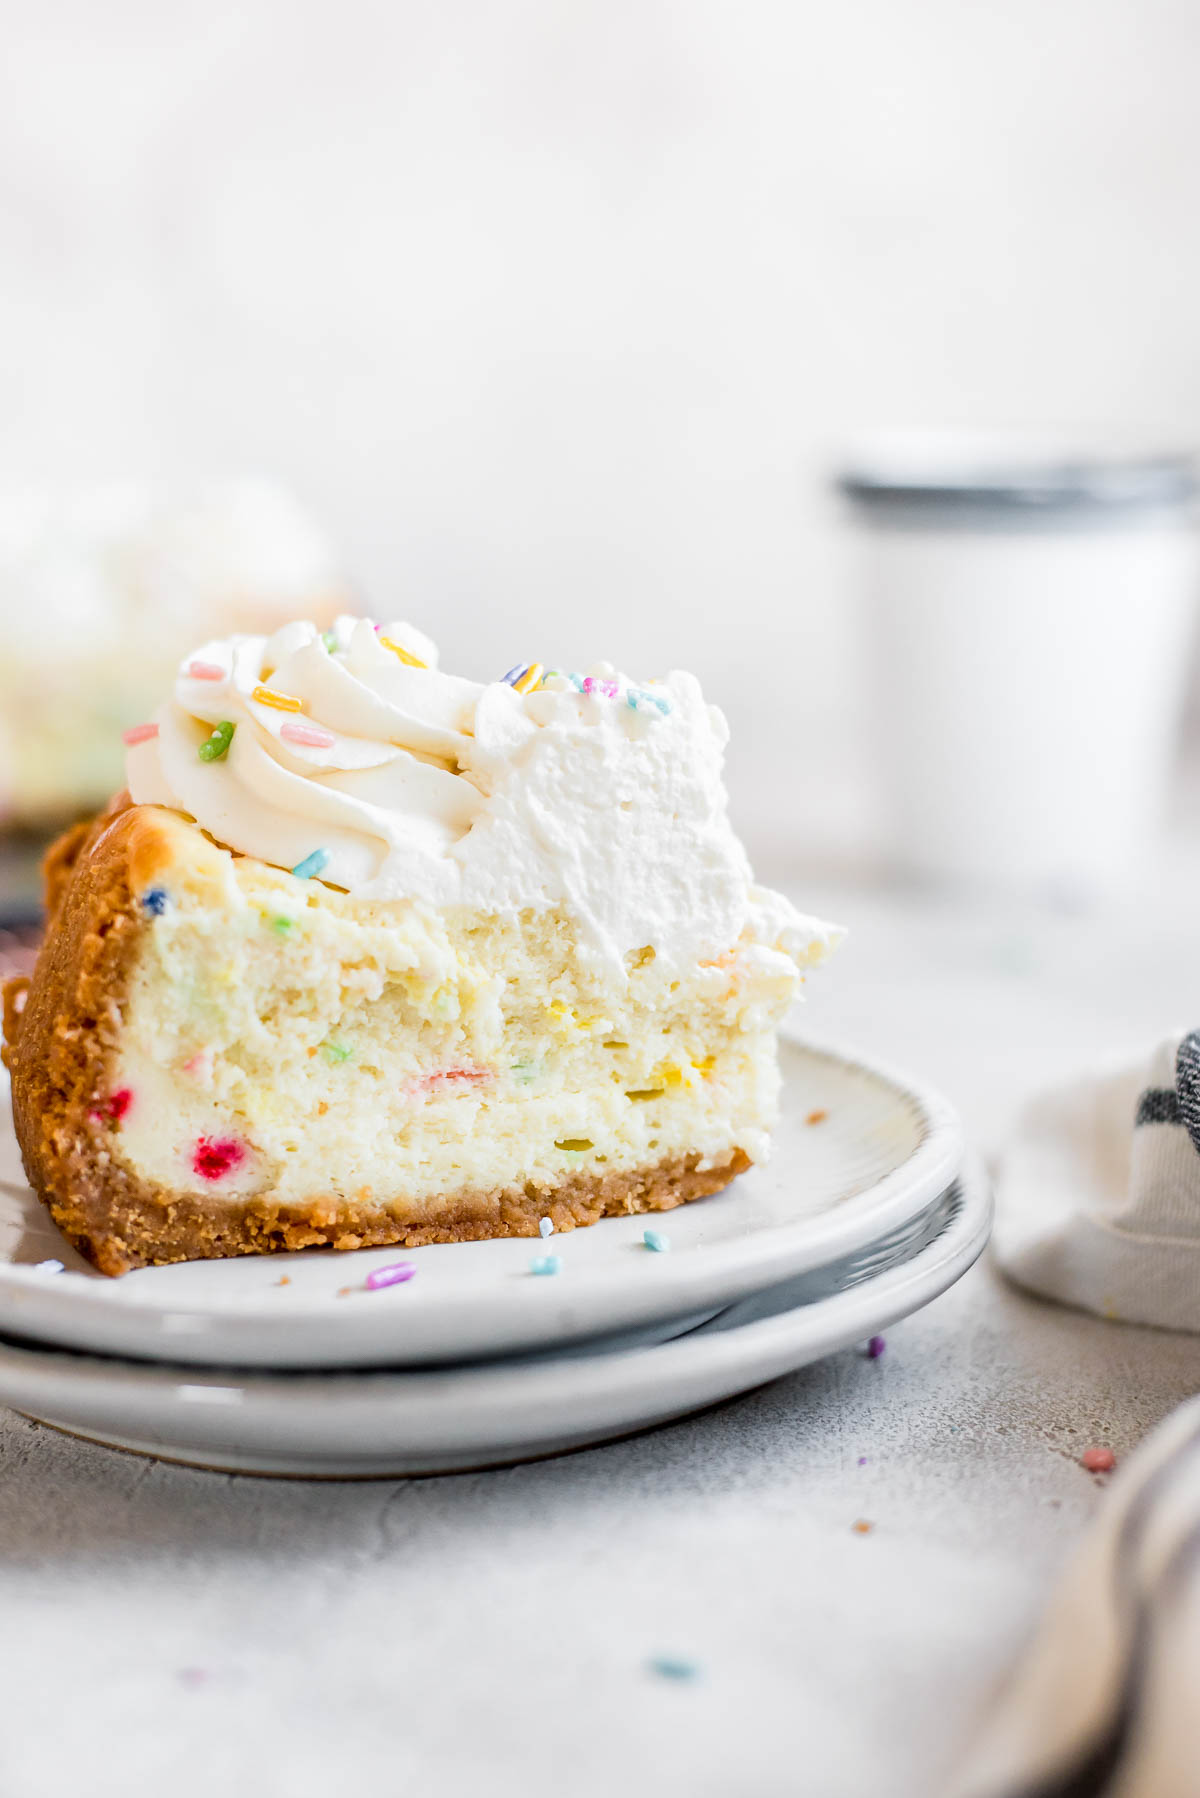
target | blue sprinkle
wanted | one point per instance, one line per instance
(576, 680)
(654, 1239)
(514, 674)
(312, 864)
(638, 697)
(674, 1666)
(155, 901)
(546, 1264)
(546, 1227)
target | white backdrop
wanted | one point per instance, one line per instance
(553, 308)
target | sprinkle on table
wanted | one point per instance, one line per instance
(311, 736)
(1098, 1460)
(546, 1227)
(674, 1666)
(312, 865)
(526, 682)
(876, 1347)
(654, 1239)
(48, 1267)
(280, 702)
(862, 1527)
(546, 1264)
(816, 1117)
(396, 1273)
(398, 649)
(138, 733)
(205, 671)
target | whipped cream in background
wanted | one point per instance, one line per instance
(419, 784)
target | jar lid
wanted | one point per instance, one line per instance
(999, 476)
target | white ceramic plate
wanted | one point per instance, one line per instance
(379, 1424)
(882, 1149)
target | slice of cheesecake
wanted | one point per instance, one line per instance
(376, 955)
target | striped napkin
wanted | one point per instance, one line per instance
(1098, 1206)
(1106, 1704)
(1098, 1195)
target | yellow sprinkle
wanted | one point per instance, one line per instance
(558, 1008)
(529, 679)
(282, 702)
(671, 1075)
(410, 661)
(706, 1065)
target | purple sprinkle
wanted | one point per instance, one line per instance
(876, 1347)
(514, 674)
(395, 1274)
(862, 1460)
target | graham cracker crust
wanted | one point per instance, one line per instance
(62, 1027)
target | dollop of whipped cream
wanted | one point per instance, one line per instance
(353, 756)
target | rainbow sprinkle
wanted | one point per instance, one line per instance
(546, 1264)
(638, 698)
(654, 1239)
(410, 661)
(546, 1227)
(397, 1273)
(312, 864)
(154, 899)
(310, 735)
(529, 680)
(674, 1666)
(205, 671)
(329, 639)
(138, 733)
(216, 747)
(49, 1267)
(876, 1347)
(281, 702)
(607, 687)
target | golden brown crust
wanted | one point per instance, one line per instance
(62, 1042)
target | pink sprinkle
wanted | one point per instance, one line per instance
(112, 1109)
(876, 1347)
(393, 1275)
(205, 671)
(214, 1157)
(1098, 1460)
(607, 687)
(447, 1076)
(138, 733)
(311, 735)
(199, 1064)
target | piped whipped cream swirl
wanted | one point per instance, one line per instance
(353, 747)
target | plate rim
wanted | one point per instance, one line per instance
(701, 1369)
(84, 1317)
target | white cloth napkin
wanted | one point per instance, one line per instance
(1098, 1195)
(1106, 1704)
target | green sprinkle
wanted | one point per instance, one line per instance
(336, 1051)
(654, 1239)
(546, 1264)
(329, 639)
(282, 925)
(217, 746)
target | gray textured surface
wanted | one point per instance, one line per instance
(165, 1630)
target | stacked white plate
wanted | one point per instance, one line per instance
(291, 1364)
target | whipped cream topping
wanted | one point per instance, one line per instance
(353, 756)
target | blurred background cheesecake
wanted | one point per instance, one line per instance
(102, 591)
